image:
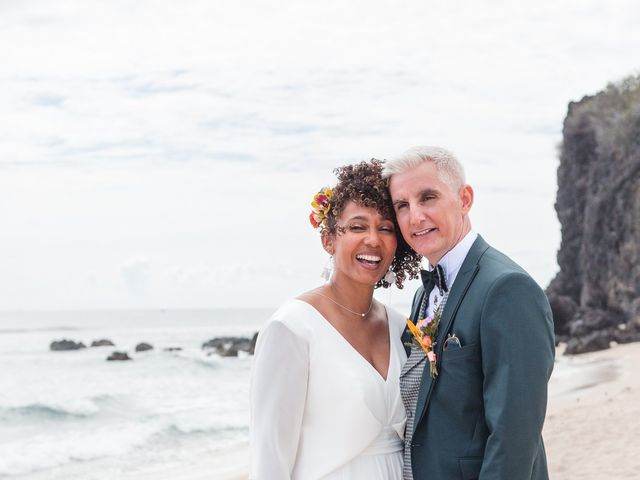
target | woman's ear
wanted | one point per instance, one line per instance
(328, 241)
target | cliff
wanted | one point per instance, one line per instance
(596, 295)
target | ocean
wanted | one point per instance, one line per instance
(72, 414)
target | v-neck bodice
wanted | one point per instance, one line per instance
(349, 408)
(349, 346)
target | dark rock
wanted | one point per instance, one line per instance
(564, 309)
(589, 343)
(102, 343)
(253, 343)
(118, 357)
(593, 320)
(626, 335)
(172, 349)
(143, 347)
(230, 346)
(63, 345)
(598, 205)
(232, 351)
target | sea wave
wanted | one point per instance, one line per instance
(54, 448)
(73, 409)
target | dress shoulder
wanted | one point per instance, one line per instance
(397, 320)
(294, 314)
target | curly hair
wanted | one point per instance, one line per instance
(363, 184)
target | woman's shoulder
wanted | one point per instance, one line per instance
(293, 314)
(397, 320)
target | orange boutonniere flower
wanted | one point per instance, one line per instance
(424, 337)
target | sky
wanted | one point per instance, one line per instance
(158, 154)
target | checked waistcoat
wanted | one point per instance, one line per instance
(410, 380)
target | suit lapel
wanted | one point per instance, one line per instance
(415, 311)
(459, 288)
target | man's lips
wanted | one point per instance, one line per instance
(424, 232)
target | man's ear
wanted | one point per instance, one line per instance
(328, 241)
(466, 197)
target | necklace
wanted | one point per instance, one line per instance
(346, 308)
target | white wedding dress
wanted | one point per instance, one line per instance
(319, 410)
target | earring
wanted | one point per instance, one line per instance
(390, 277)
(328, 268)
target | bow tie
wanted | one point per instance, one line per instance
(431, 278)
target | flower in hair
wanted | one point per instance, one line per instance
(320, 208)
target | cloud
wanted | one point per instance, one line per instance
(136, 274)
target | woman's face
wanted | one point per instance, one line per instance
(364, 246)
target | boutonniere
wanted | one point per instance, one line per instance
(424, 337)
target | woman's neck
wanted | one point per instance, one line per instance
(355, 296)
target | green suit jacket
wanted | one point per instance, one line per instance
(482, 416)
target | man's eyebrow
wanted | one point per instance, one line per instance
(421, 193)
(428, 191)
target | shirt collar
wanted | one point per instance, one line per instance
(452, 261)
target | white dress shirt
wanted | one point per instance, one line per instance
(451, 264)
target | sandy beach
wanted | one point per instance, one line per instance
(592, 426)
(593, 418)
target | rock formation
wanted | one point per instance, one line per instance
(230, 346)
(62, 345)
(595, 297)
(102, 343)
(143, 347)
(118, 357)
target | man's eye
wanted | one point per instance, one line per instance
(400, 206)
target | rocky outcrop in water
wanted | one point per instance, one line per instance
(102, 343)
(230, 346)
(118, 357)
(143, 347)
(595, 297)
(62, 345)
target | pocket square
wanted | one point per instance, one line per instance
(452, 342)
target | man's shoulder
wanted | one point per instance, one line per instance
(495, 263)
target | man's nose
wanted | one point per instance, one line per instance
(415, 216)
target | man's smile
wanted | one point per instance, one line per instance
(424, 232)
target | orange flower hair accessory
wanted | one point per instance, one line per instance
(320, 208)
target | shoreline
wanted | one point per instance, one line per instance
(593, 415)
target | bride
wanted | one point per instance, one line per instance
(325, 396)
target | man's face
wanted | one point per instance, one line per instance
(432, 215)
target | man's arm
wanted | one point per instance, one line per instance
(518, 351)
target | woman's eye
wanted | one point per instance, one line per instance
(389, 229)
(356, 228)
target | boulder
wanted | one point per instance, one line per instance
(63, 345)
(592, 342)
(102, 343)
(118, 357)
(230, 346)
(143, 347)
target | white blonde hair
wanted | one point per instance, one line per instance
(449, 168)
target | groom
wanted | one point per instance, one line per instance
(479, 413)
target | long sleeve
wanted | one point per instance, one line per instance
(517, 359)
(278, 395)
